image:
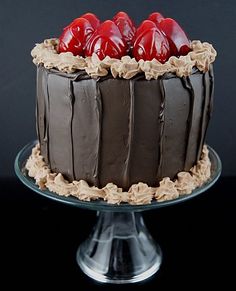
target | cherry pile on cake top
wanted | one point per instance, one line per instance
(155, 38)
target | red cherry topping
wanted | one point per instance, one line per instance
(75, 36)
(125, 25)
(106, 41)
(156, 17)
(92, 18)
(145, 25)
(123, 15)
(178, 41)
(157, 37)
(150, 43)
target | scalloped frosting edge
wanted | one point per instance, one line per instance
(202, 54)
(137, 194)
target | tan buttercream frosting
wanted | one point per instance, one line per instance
(139, 193)
(200, 56)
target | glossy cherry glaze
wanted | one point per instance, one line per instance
(150, 43)
(126, 26)
(178, 41)
(92, 18)
(75, 36)
(156, 17)
(106, 41)
(156, 38)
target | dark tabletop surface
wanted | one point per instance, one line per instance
(39, 239)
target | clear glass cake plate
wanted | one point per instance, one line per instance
(120, 248)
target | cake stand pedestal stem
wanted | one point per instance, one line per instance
(119, 250)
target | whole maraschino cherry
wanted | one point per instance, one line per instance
(76, 34)
(107, 40)
(150, 43)
(178, 41)
(126, 26)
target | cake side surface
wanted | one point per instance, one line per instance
(122, 131)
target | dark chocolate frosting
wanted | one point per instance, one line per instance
(122, 131)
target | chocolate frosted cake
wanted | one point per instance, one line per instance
(119, 119)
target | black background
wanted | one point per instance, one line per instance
(24, 23)
(39, 237)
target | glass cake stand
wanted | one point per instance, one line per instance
(119, 249)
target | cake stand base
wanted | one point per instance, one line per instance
(119, 250)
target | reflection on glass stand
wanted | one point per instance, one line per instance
(120, 249)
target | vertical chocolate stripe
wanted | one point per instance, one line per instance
(37, 114)
(72, 101)
(211, 78)
(87, 130)
(60, 116)
(188, 85)
(126, 175)
(41, 113)
(47, 117)
(177, 106)
(162, 124)
(209, 92)
(98, 110)
(44, 120)
(205, 81)
(146, 132)
(115, 129)
(37, 119)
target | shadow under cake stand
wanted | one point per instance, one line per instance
(119, 249)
